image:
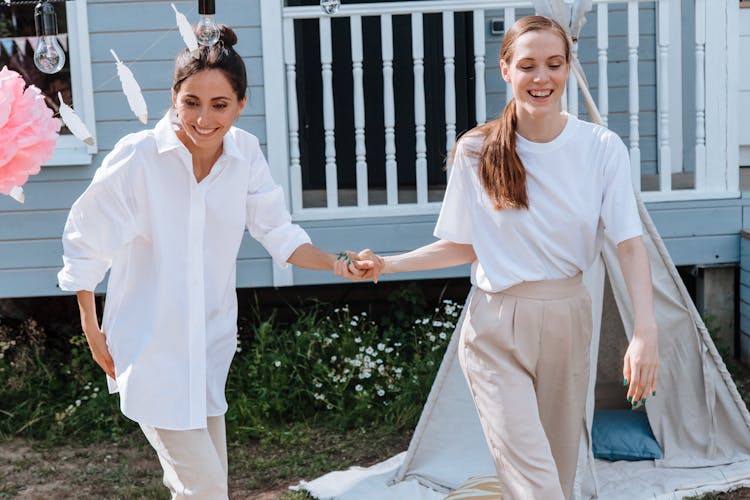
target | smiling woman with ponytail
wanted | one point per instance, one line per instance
(528, 196)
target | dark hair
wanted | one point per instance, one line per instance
(500, 169)
(221, 56)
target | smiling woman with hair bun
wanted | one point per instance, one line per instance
(165, 214)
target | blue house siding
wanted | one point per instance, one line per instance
(695, 232)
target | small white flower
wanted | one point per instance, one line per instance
(370, 350)
(336, 310)
(353, 323)
(333, 359)
(78, 402)
(381, 347)
(389, 350)
(277, 363)
(298, 333)
(358, 388)
(334, 335)
(318, 385)
(443, 335)
(397, 344)
(381, 392)
(363, 313)
(357, 340)
(437, 324)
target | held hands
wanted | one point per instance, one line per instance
(641, 364)
(361, 266)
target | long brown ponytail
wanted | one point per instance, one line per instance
(501, 171)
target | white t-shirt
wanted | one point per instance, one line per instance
(172, 243)
(577, 184)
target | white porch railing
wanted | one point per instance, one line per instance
(709, 169)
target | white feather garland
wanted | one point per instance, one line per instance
(17, 194)
(132, 90)
(186, 31)
(74, 122)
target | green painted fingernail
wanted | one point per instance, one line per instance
(630, 399)
(643, 401)
(624, 381)
(635, 403)
(653, 393)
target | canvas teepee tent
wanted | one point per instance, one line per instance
(697, 417)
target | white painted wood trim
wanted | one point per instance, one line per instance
(572, 86)
(633, 87)
(309, 214)
(479, 65)
(687, 195)
(420, 120)
(389, 110)
(449, 57)
(329, 125)
(732, 96)
(700, 96)
(663, 100)
(80, 66)
(276, 124)
(716, 99)
(675, 85)
(602, 44)
(509, 19)
(359, 111)
(273, 86)
(295, 167)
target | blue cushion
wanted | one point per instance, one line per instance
(623, 435)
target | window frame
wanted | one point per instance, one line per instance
(69, 149)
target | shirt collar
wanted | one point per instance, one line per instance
(166, 138)
(164, 134)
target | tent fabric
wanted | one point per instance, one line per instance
(698, 416)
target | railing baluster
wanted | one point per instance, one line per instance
(633, 100)
(295, 169)
(389, 110)
(509, 19)
(359, 111)
(700, 96)
(572, 87)
(449, 55)
(479, 56)
(329, 125)
(602, 44)
(417, 48)
(665, 154)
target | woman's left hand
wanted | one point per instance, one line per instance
(641, 364)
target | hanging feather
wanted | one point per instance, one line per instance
(188, 35)
(132, 90)
(17, 194)
(74, 123)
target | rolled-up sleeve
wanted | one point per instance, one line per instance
(100, 223)
(268, 219)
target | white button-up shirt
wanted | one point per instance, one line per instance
(171, 245)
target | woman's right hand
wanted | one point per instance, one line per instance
(98, 344)
(94, 335)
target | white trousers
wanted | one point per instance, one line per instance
(194, 461)
(525, 354)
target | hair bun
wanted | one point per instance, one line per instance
(228, 37)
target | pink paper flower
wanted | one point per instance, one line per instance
(28, 132)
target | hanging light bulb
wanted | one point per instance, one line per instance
(207, 31)
(48, 56)
(330, 7)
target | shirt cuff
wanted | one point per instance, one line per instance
(283, 241)
(80, 275)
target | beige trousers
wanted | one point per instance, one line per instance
(194, 461)
(525, 354)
